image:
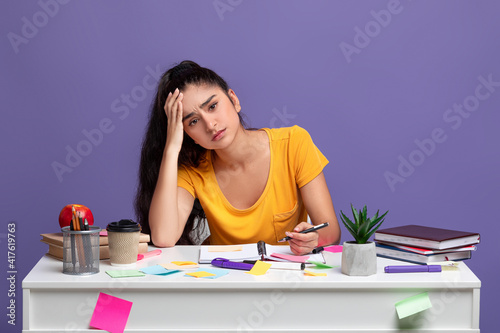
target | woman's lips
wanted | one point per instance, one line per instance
(218, 135)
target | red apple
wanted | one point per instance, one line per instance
(66, 214)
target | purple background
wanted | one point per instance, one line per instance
(67, 67)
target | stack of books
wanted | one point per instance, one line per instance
(55, 242)
(423, 245)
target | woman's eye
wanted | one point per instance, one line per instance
(212, 106)
(193, 122)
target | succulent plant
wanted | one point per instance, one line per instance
(363, 227)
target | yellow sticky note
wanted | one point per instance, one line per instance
(183, 263)
(226, 248)
(309, 273)
(259, 268)
(182, 267)
(200, 274)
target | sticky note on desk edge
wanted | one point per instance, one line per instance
(158, 270)
(110, 313)
(318, 264)
(125, 273)
(183, 263)
(309, 273)
(179, 267)
(412, 305)
(200, 274)
(259, 268)
(215, 273)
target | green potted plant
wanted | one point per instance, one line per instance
(359, 257)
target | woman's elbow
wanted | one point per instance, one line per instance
(162, 242)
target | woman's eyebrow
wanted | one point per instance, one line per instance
(201, 107)
(188, 116)
(206, 102)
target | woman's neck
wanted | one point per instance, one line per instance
(246, 147)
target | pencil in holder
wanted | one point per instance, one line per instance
(81, 251)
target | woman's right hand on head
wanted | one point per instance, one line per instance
(175, 129)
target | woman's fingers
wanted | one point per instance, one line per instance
(171, 103)
(302, 243)
(173, 110)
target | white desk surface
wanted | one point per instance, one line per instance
(48, 274)
(238, 294)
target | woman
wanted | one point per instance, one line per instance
(252, 184)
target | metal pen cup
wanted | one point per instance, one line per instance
(81, 251)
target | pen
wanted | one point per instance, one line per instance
(88, 245)
(412, 268)
(316, 227)
(73, 247)
(318, 249)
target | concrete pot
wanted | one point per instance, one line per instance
(359, 259)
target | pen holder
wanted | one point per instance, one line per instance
(81, 251)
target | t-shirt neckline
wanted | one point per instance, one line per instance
(264, 192)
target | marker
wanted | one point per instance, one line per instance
(149, 254)
(412, 268)
(226, 263)
(316, 227)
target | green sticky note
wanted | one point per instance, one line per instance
(125, 273)
(412, 305)
(320, 264)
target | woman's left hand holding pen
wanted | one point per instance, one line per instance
(301, 244)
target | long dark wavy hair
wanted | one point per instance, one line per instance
(185, 73)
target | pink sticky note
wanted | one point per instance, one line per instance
(103, 233)
(334, 248)
(290, 257)
(110, 313)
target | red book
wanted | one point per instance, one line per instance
(426, 237)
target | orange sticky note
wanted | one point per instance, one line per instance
(183, 263)
(309, 273)
(225, 248)
(259, 268)
(182, 267)
(200, 274)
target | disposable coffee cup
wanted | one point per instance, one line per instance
(123, 239)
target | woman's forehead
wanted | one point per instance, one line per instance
(197, 95)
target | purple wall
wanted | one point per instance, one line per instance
(402, 97)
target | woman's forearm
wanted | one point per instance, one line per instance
(164, 214)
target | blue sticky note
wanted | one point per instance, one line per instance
(158, 270)
(218, 272)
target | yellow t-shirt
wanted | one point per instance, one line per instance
(295, 161)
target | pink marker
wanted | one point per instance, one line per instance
(149, 254)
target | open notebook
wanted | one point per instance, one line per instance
(251, 252)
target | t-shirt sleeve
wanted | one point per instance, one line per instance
(307, 160)
(184, 180)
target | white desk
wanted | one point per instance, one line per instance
(281, 301)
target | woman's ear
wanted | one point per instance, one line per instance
(234, 100)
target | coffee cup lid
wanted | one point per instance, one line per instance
(124, 226)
